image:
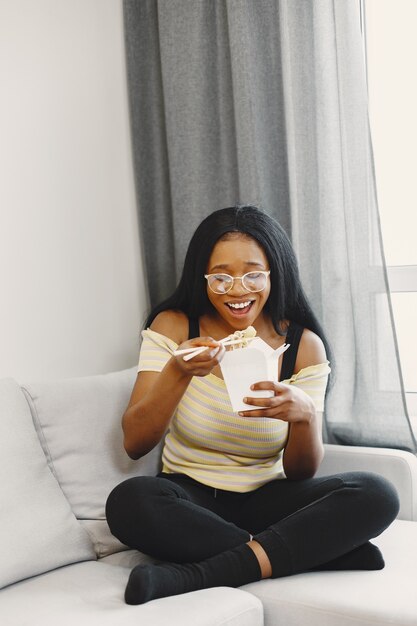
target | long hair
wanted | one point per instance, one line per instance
(287, 299)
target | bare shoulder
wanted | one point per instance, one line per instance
(311, 350)
(172, 324)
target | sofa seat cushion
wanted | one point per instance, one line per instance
(350, 598)
(39, 532)
(128, 559)
(382, 598)
(92, 593)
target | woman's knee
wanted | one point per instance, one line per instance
(386, 494)
(132, 508)
(123, 502)
(378, 497)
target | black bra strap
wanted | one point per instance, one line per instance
(193, 328)
(290, 356)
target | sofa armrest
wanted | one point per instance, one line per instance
(399, 467)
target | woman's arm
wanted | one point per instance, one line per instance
(156, 395)
(304, 449)
(154, 399)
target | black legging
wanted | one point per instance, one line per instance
(174, 518)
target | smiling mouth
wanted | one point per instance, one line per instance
(240, 308)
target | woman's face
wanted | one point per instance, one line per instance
(237, 256)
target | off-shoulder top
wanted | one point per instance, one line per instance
(210, 443)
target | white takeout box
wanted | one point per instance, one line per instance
(243, 367)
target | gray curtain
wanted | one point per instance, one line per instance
(264, 102)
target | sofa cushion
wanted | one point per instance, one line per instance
(353, 598)
(104, 542)
(92, 593)
(79, 425)
(38, 530)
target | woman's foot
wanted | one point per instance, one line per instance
(232, 568)
(364, 557)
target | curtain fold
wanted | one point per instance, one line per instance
(265, 102)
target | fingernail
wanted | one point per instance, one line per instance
(241, 414)
(245, 400)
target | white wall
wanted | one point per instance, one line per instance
(71, 282)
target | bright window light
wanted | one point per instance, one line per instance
(391, 50)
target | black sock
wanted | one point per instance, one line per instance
(364, 557)
(232, 568)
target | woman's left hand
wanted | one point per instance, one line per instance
(289, 403)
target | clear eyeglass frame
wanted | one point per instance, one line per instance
(229, 281)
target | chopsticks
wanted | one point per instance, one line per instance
(192, 352)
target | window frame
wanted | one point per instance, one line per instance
(401, 278)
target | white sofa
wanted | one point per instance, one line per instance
(61, 454)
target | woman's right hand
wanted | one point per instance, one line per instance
(203, 363)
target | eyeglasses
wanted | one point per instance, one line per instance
(252, 281)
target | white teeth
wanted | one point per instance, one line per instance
(239, 305)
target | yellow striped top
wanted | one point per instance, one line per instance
(212, 444)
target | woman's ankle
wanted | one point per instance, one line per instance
(263, 560)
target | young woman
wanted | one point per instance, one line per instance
(237, 500)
